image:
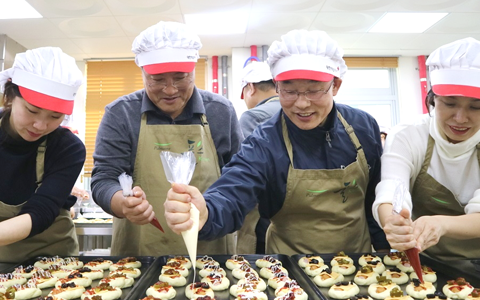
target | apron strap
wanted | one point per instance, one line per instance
(40, 162)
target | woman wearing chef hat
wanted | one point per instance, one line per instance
(312, 167)
(437, 160)
(40, 160)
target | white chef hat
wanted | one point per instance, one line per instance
(455, 69)
(306, 54)
(255, 72)
(167, 47)
(46, 77)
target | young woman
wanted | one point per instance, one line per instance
(40, 161)
(437, 159)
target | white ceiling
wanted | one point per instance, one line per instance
(106, 28)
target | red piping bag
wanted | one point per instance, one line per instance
(155, 223)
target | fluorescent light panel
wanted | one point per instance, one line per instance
(217, 24)
(406, 22)
(17, 9)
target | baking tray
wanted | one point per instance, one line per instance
(294, 271)
(146, 261)
(443, 270)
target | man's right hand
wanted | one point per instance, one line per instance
(135, 208)
(178, 204)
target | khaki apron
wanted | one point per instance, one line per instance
(429, 197)
(247, 238)
(324, 210)
(131, 239)
(58, 239)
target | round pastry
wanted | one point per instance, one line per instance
(130, 272)
(458, 288)
(377, 266)
(427, 273)
(217, 281)
(437, 296)
(397, 294)
(291, 286)
(277, 279)
(253, 278)
(313, 269)
(76, 278)
(287, 296)
(67, 291)
(89, 273)
(343, 290)
(181, 259)
(24, 291)
(396, 275)
(161, 290)
(419, 290)
(382, 288)
(267, 261)
(43, 279)
(176, 266)
(173, 278)
(2, 289)
(198, 289)
(252, 295)
(26, 272)
(327, 278)
(340, 256)
(235, 262)
(365, 258)
(99, 264)
(9, 279)
(209, 268)
(118, 280)
(237, 289)
(307, 259)
(393, 258)
(365, 276)
(106, 291)
(72, 263)
(58, 271)
(405, 266)
(129, 262)
(344, 267)
(360, 297)
(239, 273)
(46, 262)
(205, 260)
(269, 272)
(475, 295)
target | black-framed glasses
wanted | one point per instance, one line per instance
(309, 95)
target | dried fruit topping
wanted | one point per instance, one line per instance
(396, 293)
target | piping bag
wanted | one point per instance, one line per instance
(412, 254)
(126, 183)
(179, 168)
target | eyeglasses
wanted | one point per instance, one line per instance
(178, 82)
(309, 95)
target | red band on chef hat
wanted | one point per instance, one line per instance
(455, 69)
(47, 102)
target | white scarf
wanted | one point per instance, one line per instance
(450, 150)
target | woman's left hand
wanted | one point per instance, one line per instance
(427, 231)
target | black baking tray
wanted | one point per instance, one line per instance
(295, 272)
(443, 270)
(146, 261)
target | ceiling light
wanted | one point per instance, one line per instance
(17, 9)
(222, 23)
(406, 22)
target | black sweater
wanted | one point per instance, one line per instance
(64, 160)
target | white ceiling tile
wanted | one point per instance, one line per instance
(120, 45)
(357, 5)
(70, 8)
(89, 27)
(287, 6)
(214, 6)
(30, 29)
(66, 45)
(269, 22)
(345, 21)
(142, 7)
(438, 5)
(133, 25)
(458, 23)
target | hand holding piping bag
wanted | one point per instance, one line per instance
(126, 182)
(412, 254)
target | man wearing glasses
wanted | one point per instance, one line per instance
(312, 167)
(170, 114)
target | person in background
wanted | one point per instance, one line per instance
(383, 134)
(312, 168)
(261, 98)
(169, 114)
(40, 160)
(436, 159)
